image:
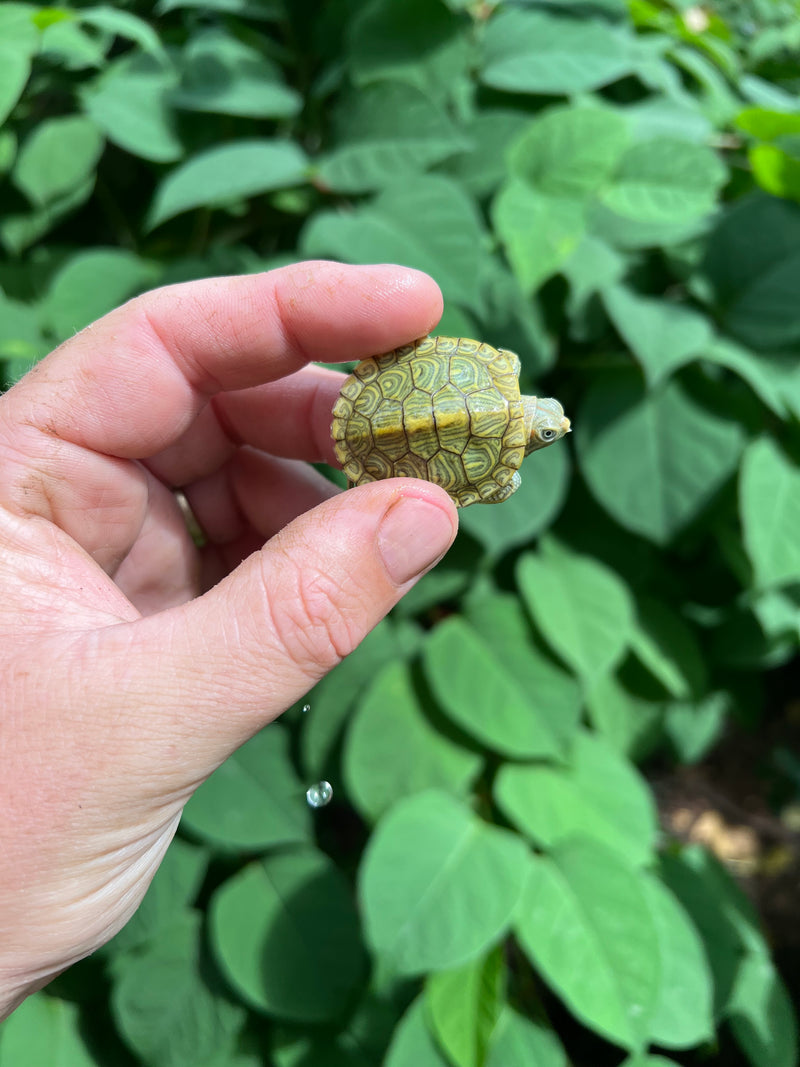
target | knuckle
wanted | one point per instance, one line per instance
(312, 622)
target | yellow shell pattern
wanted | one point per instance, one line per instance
(446, 409)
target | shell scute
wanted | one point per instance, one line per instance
(447, 471)
(369, 400)
(468, 374)
(359, 435)
(410, 466)
(378, 466)
(480, 459)
(427, 373)
(395, 383)
(420, 425)
(351, 388)
(512, 457)
(367, 370)
(388, 434)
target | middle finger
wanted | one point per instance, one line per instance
(290, 417)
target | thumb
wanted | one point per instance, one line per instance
(227, 663)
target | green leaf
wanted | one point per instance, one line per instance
(165, 1009)
(384, 131)
(509, 314)
(252, 9)
(570, 151)
(392, 749)
(20, 331)
(723, 917)
(254, 800)
(333, 698)
(67, 43)
(597, 794)
(19, 40)
(519, 1040)
(15, 69)
(8, 150)
(44, 1030)
(664, 116)
(464, 1006)
(649, 1061)
(539, 232)
(774, 378)
(481, 696)
(507, 635)
(89, 285)
(592, 267)
(438, 886)
(683, 1013)
(415, 40)
(482, 167)
(582, 609)
(19, 231)
(654, 461)
(426, 222)
(665, 181)
(753, 265)
(222, 75)
(766, 124)
(663, 336)
(624, 232)
(286, 935)
(769, 503)
(776, 171)
(761, 1014)
(586, 924)
(666, 646)
(539, 52)
(627, 722)
(227, 172)
(123, 24)
(129, 102)
(58, 156)
(413, 1044)
(694, 728)
(19, 28)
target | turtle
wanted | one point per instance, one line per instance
(446, 409)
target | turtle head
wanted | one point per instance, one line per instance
(545, 422)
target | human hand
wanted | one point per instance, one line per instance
(123, 683)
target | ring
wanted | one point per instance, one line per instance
(196, 531)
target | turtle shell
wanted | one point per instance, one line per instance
(446, 409)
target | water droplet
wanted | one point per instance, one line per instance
(319, 794)
(306, 708)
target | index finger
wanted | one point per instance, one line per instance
(131, 384)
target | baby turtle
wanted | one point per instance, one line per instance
(446, 409)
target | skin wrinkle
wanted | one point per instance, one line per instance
(196, 381)
(293, 629)
(292, 342)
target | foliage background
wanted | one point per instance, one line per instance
(609, 188)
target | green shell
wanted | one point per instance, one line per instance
(446, 409)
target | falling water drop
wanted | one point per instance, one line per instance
(319, 794)
(306, 708)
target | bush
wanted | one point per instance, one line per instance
(608, 188)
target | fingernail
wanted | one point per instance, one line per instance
(413, 535)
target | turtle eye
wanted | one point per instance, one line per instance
(547, 435)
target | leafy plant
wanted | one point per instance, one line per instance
(608, 188)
